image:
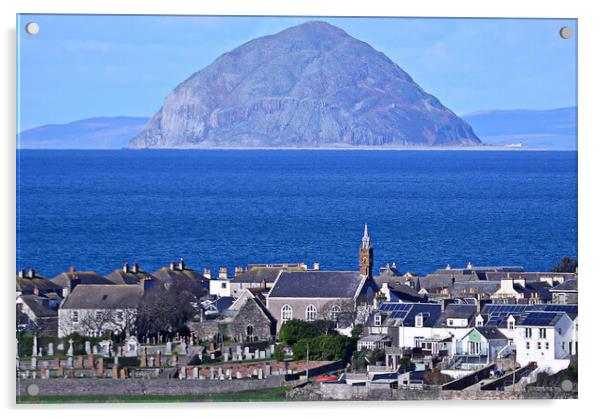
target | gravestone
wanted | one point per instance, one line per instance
(132, 347)
(87, 347)
(34, 363)
(142, 360)
(168, 348)
(262, 354)
(158, 359)
(101, 367)
(212, 373)
(226, 357)
(195, 373)
(56, 363)
(182, 374)
(238, 375)
(70, 362)
(70, 349)
(115, 371)
(50, 349)
(116, 360)
(182, 348)
(151, 362)
(260, 374)
(246, 350)
(105, 347)
(90, 361)
(79, 364)
(256, 354)
(229, 374)
(123, 374)
(34, 348)
(268, 370)
(60, 347)
(174, 360)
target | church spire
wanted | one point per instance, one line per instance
(366, 238)
(366, 257)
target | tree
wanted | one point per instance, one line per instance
(295, 330)
(566, 265)
(323, 348)
(166, 310)
(341, 311)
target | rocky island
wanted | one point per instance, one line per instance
(309, 86)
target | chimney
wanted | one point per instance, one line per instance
(237, 271)
(207, 273)
(22, 273)
(136, 268)
(145, 284)
(36, 291)
(71, 269)
(223, 272)
(31, 274)
(478, 303)
(172, 265)
(469, 266)
(316, 266)
(181, 265)
(264, 284)
(126, 268)
(71, 283)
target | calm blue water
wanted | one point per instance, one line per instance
(98, 209)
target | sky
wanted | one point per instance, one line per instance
(81, 66)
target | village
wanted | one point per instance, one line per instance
(299, 332)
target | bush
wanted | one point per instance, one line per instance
(279, 352)
(293, 331)
(323, 348)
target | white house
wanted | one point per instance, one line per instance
(221, 285)
(485, 343)
(546, 338)
(95, 309)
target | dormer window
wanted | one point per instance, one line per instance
(377, 320)
(479, 322)
(510, 324)
(418, 321)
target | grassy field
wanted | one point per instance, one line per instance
(260, 395)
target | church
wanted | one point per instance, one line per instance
(321, 294)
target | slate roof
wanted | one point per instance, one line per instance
(529, 276)
(457, 311)
(36, 305)
(406, 293)
(168, 276)
(491, 333)
(258, 275)
(118, 276)
(103, 297)
(84, 277)
(474, 287)
(27, 285)
(568, 286)
(314, 284)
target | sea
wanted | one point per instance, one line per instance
(96, 210)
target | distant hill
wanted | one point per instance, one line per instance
(311, 85)
(93, 133)
(545, 129)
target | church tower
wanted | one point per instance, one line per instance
(366, 255)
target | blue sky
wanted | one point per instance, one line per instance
(85, 66)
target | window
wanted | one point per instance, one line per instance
(311, 313)
(286, 313)
(528, 345)
(510, 324)
(563, 345)
(528, 332)
(224, 285)
(547, 345)
(419, 321)
(75, 316)
(249, 330)
(539, 345)
(377, 319)
(560, 331)
(542, 333)
(450, 322)
(335, 311)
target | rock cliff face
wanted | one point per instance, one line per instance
(310, 85)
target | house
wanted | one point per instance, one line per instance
(34, 284)
(552, 278)
(545, 338)
(400, 293)
(374, 342)
(408, 324)
(180, 273)
(133, 275)
(566, 292)
(317, 294)
(38, 312)
(262, 276)
(482, 343)
(518, 290)
(95, 309)
(69, 279)
(220, 286)
(245, 319)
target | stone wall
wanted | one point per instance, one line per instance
(348, 392)
(76, 387)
